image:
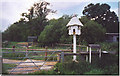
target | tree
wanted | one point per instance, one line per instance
(39, 9)
(84, 19)
(102, 15)
(37, 17)
(55, 32)
(16, 32)
(92, 32)
(32, 23)
(13, 33)
(45, 37)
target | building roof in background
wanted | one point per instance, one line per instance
(113, 34)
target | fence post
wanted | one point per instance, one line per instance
(58, 57)
(46, 53)
(90, 55)
(26, 54)
(13, 48)
(62, 56)
(99, 53)
(87, 55)
(1, 64)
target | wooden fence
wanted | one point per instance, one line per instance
(60, 53)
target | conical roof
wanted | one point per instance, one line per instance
(74, 21)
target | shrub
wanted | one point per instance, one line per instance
(108, 64)
(43, 72)
(110, 46)
(113, 69)
(73, 67)
(92, 32)
(95, 71)
(105, 61)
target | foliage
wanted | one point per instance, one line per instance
(92, 32)
(55, 32)
(108, 64)
(94, 71)
(37, 17)
(106, 60)
(110, 47)
(9, 44)
(114, 69)
(16, 32)
(43, 72)
(39, 9)
(105, 65)
(5, 67)
(84, 19)
(32, 23)
(102, 15)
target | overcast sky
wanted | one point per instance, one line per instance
(11, 9)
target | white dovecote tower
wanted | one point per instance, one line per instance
(74, 27)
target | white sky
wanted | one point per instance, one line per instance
(11, 10)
